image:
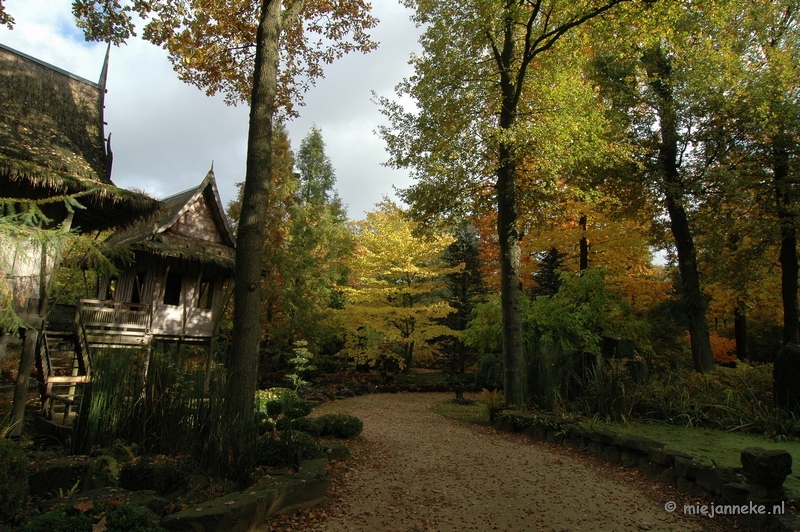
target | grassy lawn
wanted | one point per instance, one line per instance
(473, 412)
(704, 445)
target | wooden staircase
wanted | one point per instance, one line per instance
(69, 335)
(63, 363)
(62, 373)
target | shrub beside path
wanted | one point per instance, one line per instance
(414, 470)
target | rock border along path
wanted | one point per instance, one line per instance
(416, 471)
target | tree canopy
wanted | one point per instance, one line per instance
(397, 294)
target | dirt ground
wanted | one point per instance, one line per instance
(414, 470)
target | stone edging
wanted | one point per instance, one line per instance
(245, 511)
(752, 484)
(242, 511)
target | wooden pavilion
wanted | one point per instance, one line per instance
(176, 286)
(53, 146)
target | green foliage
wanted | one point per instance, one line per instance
(465, 288)
(554, 375)
(610, 393)
(170, 409)
(583, 310)
(728, 398)
(131, 518)
(317, 176)
(301, 363)
(25, 232)
(307, 250)
(287, 434)
(307, 425)
(60, 520)
(493, 402)
(124, 518)
(13, 481)
(342, 426)
(288, 448)
(489, 371)
(277, 402)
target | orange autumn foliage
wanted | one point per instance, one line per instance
(724, 349)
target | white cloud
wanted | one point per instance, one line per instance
(165, 134)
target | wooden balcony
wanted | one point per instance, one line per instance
(111, 323)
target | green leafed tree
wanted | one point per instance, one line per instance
(752, 129)
(317, 250)
(397, 299)
(656, 78)
(465, 289)
(316, 171)
(306, 255)
(483, 99)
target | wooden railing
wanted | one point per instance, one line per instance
(115, 323)
(82, 349)
(60, 318)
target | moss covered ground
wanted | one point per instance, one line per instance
(709, 446)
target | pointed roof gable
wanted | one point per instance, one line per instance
(191, 224)
(205, 195)
(52, 141)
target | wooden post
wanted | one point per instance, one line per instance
(23, 377)
(209, 362)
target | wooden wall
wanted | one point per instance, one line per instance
(185, 319)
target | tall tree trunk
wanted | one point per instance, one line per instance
(242, 364)
(514, 385)
(512, 64)
(694, 301)
(510, 294)
(788, 224)
(740, 331)
(584, 250)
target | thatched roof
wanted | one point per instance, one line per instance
(52, 141)
(190, 225)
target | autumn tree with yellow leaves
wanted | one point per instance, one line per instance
(396, 300)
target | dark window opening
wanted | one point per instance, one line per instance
(205, 293)
(138, 287)
(172, 289)
(111, 288)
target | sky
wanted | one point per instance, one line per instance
(166, 134)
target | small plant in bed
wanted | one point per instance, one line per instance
(342, 426)
(287, 435)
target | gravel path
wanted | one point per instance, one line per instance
(417, 471)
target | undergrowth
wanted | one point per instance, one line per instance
(732, 399)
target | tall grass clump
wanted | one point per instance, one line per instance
(610, 391)
(734, 399)
(156, 400)
(554, 374)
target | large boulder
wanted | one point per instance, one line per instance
(245, 511)
(766, 470)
